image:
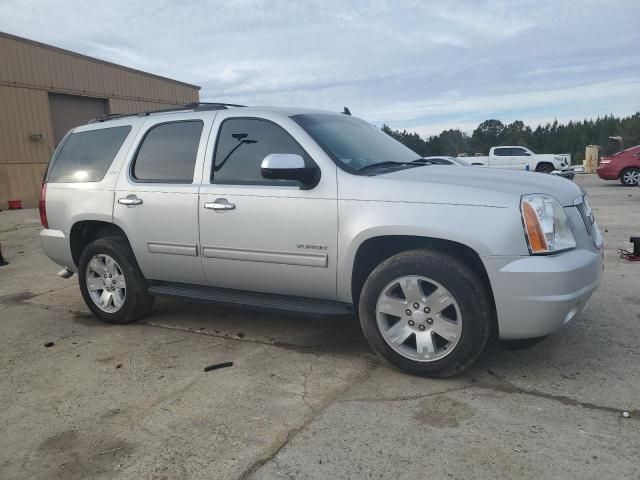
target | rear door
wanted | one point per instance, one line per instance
(273, 237)
(519, 158)
(500, 157)
(156, 198)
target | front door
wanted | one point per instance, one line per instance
(501, 158)
(265, 235)
(156, 198)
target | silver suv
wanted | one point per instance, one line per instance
(321, 213)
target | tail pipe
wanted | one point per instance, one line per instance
(65, 273)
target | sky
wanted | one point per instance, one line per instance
(424, 66)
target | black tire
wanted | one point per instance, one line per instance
(137, 301)
(545, 168)
(626, 174)
(465, 287)
(522, 344)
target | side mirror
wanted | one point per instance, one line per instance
(287, 166)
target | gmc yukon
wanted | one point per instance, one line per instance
(321, 213)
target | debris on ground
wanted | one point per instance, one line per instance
(626, 414)
(119, 365)
(49, 344)
(216, 366)
(110, 451)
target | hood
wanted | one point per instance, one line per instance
(464, 185)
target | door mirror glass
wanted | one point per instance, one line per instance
(287, 166)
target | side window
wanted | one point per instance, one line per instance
(86, 156)
(502, 152)
(518, 152)
(242, 145)
(168, 153)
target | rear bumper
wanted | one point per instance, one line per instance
(56, 246)
(537, 295)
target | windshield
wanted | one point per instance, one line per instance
(353, 143)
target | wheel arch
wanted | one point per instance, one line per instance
(374, 250)
(85, 231)
(543, 164)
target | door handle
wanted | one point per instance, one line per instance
(220, 204)
(130, 201)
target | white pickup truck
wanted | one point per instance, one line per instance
(521, 158)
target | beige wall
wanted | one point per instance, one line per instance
(28, 72)
(29, 64)
(23, 112)
(117, 105)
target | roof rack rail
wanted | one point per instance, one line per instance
(197, 106)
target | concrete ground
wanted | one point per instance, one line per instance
(305, 398)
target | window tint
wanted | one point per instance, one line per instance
(520, 152)
(168, 153)
(242, 145)
(502, 152)
(86, 156)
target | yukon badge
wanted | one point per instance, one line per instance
(310, 246)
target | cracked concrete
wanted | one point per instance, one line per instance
(305, 397)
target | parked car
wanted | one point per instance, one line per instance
(521, 158)
(322, 213)
(623, 166)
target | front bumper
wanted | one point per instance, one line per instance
(537, 295)
(607, 171)
(56, 246)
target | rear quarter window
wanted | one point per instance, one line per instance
(86, 156)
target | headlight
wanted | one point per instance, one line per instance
(546, 225)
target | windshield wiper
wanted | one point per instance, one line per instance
(384, 164)
(424, 161)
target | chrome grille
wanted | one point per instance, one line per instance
(589, 221)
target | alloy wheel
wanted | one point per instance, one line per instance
(630, 177)
(419, 318)
(106, 283)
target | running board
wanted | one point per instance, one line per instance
(266, 301)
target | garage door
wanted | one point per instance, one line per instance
(69, 111)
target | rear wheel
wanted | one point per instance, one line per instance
(426, 312)
(111, 283)
(629, 176)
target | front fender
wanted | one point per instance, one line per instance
(488, 230)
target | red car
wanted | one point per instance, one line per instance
(624, 165)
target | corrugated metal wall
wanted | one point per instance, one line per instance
(28, 71)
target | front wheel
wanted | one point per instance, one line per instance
(545, 168)
(629, 176)
(111, 283)
(426, 312)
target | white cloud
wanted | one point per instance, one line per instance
(408, 63)
(494, 105)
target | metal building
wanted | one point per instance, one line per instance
(45, 91)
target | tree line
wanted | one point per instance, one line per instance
(571, 137)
